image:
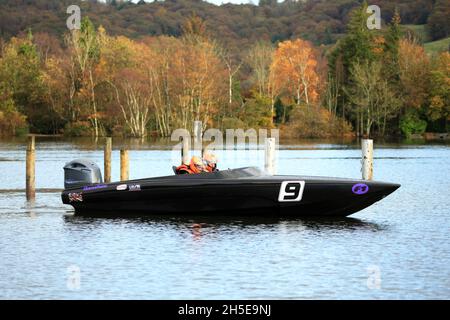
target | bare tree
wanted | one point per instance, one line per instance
(84, 49)
(371, 95)
(259, 58)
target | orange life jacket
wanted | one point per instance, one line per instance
(194, 168)
(187, 169)
(211, 169)
(184, 169)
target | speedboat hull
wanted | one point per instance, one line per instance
(239, 191)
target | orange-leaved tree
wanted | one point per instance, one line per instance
(414, 68)
(198, 81)
(293, 71)
(127, 66)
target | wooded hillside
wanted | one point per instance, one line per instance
(319, 21)
(312, 68)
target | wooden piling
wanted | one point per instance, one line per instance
(367, 159)
(270, 156)
(197, 130)
(185, 157)
(107, 159)
(124, 165)
(30, 169)
(198, 136)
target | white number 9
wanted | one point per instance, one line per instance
(291, 191)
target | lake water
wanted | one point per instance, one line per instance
(398, 248)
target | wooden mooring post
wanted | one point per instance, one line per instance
(198, 136)
(270, 166)
(197, 130)
(185, 157)
(107, 159)
(30, 181)
(124, 165)
(367, 159)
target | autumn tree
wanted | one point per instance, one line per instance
(85, 54)
(47, 46)
(160, 77)
(194, 26)
(57, 86)
(197, 78)
(439, 98)
(413, 64)
(294, 71)
(127, 64)
(233, 65)
(22, 84)
(11, 120)
(259, 59)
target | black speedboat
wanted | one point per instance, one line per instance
(234, 191)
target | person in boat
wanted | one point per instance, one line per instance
(195, 166)
(210, 161)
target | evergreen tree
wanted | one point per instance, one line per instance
(359, 41)
(391, 48)
(357, 44)
(356, 47)
(437, 23)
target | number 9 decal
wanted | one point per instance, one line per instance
(291, 191)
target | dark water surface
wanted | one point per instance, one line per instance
(398, 248)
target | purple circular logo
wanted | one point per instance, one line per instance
(360, 188)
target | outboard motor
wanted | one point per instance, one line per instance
(81, 172)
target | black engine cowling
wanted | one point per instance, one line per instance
(81, 172)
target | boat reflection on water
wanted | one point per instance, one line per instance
(200, 224)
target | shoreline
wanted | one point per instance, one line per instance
(415, 136)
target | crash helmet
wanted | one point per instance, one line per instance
(210, 160)
(197, 164)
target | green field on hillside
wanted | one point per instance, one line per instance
(438, 45)
(430, 46)
(419, 30)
